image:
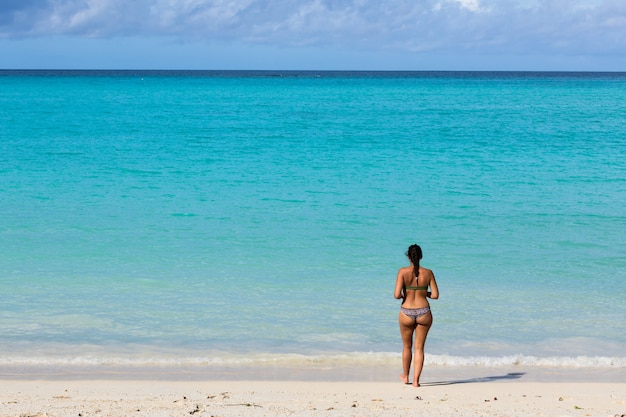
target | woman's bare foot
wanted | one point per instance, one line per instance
(415, 384)
(405, 379)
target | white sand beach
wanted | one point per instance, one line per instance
(129, 397)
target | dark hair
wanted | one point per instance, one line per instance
(415, 255)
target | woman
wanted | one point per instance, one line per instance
(412, 286)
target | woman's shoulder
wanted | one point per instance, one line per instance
(405, 270)
(426, 271)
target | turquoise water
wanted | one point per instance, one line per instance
(203, 217)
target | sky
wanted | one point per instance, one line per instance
(525, 35)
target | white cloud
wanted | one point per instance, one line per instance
(492, 26)
(472, 5)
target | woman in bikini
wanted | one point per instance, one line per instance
(412, 286)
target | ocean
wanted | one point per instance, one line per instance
(224, 217)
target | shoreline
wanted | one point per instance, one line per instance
(432, 375)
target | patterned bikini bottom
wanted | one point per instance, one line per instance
(415, 313)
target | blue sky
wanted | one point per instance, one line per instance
(575, 35)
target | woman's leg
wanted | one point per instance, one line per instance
(407, 325)
(421, 331)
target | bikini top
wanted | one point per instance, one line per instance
(417, 288)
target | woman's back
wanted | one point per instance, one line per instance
(416, 289)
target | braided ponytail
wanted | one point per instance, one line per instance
(415, 255)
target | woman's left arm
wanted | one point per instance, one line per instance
(399, 291)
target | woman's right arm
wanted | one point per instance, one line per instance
(434, 290)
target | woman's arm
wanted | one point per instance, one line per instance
(399, 291)
(434, 290)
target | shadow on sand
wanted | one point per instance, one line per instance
(515, 375)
